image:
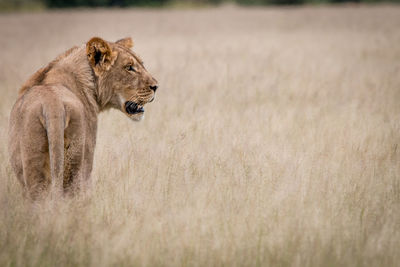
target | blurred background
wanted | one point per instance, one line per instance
(10, 5)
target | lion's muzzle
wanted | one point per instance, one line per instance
(133, 108)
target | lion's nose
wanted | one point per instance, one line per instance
(154, 88)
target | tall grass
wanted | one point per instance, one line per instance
(273, 141)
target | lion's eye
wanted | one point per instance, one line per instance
(130, 68)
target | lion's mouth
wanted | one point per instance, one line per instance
(133, 108)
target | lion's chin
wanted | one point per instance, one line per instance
(137, 116)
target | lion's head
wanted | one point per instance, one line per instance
(121, 78)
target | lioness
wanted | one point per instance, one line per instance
(52, 131)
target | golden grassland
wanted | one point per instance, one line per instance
(273, 141)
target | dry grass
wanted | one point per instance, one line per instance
(273, 141)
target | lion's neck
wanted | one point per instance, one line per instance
(74, 72)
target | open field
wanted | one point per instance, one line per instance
(273, 141)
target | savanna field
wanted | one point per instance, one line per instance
(274, 140)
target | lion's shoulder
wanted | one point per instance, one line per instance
(38, 77)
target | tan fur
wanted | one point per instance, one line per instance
(53, 123)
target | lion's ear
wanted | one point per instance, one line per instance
(100, 55)
(127, 42)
